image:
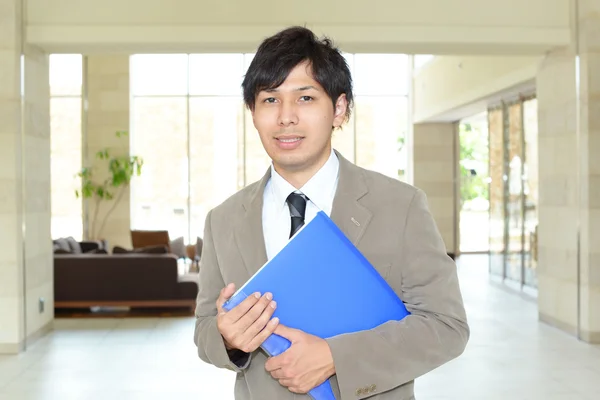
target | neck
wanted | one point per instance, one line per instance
(298, 177)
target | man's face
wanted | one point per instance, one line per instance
(295, 122)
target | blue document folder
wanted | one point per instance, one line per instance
(323, 286)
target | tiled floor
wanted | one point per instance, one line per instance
(510, 356)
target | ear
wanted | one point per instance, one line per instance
(339, 112)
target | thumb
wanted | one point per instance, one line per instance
(228, 291)
(225, 294)
(291, 334)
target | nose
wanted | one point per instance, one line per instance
(287, 114)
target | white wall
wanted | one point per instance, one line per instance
(453, 87)
(426, 26)
(25, 243)
(39, 265)
(11, 209)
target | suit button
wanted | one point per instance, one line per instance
(359, 392)
(372, 388)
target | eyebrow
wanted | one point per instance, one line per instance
(300, 89)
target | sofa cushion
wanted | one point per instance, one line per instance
(61, 245)
(143, 250)
(74, 245)
(177, 247)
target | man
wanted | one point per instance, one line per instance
(299, 91)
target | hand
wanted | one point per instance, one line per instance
(246, 326)
(305, 365)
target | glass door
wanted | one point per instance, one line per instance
(514, 186)
(496, 191)
(530, 192)
(513, 193)
(474, 184)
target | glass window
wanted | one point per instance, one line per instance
(216, 74)
(66, 74)
(215, 125)
(159, 74)
(195, 166)
(160, 194)
(420, 60)
(381, 124)
(343, 139)
(200, 146)
(256, 158)
(381, 118)
(65, 145)
(380, 74)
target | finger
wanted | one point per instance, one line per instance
(278, 374)
(257, 340)
(224, 295)
(291, 334)
(239, 311)
(296, 389)
(288, 383)
(260, 323)
(285, 382)
(254, 313)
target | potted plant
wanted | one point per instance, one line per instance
(116, 174)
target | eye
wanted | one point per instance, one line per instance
(269, 100)
(306, 98)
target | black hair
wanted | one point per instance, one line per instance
(282, 52)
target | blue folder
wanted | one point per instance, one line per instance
(323, 286)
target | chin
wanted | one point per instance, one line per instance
(291, 163)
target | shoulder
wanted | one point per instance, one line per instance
(234, 203)
(382, 187)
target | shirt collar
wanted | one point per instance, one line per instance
(319, 189)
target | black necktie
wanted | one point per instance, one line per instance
(297, 204)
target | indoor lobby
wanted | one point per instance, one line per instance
(493, 110)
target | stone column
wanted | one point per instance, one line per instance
(569, 149)
(26, 277)
(435, 165)
(108, 112)
(11, 215)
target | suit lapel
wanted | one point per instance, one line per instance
(348, 213)
(249, 235)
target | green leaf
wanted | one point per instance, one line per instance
(117, 170)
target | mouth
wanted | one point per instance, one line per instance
(289, 140)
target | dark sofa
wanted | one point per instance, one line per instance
(134, 280)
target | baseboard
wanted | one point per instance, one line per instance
(12, 348)
(592, 337)
(40, 333)
(125, 303)
(16, 348)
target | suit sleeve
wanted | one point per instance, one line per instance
(436, 332)
(207, 337)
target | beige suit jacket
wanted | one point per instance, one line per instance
(397, 234)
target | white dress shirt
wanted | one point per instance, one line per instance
(320, 190)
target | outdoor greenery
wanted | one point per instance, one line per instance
(474, 158)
